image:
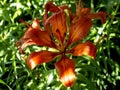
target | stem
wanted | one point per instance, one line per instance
(108, 32)
(21, 20)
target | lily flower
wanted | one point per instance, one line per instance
(62, 29)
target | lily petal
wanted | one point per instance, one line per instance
(37, 58)
(86, 12)
(26, 36)
(100, 15)
(79, 29)
(86, 48)
(51, 7)
(66, 70)
(58, 22)
(35, 36)
(25, 44)
(83, 12)
(28, 33)
(36, 24)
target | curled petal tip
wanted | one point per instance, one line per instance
(103, 16)
(36, 24)
(51, 7)
(100, 15)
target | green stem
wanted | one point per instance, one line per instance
(108, 32)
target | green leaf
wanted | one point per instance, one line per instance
(5, 14)
(17, 13)
(2, 82)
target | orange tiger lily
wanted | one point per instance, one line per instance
(61, 30)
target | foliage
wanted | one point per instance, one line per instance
(101, 74)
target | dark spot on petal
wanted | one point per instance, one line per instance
(57, 31)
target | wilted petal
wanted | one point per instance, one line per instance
(86, 48)
(79, 29)
(58, 23)
(37, 58)
(66, 70)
